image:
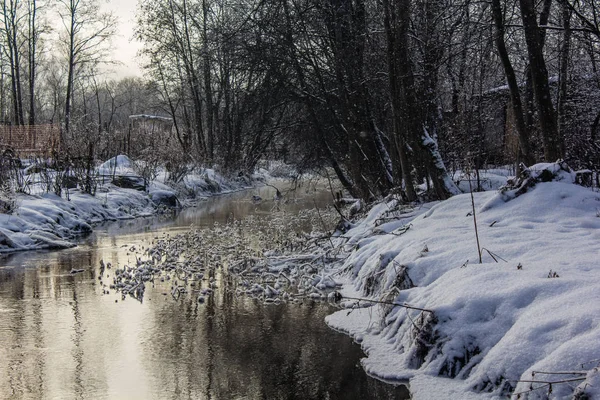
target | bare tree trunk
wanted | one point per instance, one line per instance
(443, 185)
(72, 8)
(416, 112)
(396, 33)
(539, 77)
(346, 182)
(210, 134)
(563, 72)
(513, 86)
(70, 78)
(33, 36)
(173, 111)
(9, 12)
(190, 70)
(529, 96)
(98, 106)
(2, 88)
(87, 29)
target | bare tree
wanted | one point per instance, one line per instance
(12, 20)
(86, 34)
(33, 37)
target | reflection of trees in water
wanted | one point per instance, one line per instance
(39, 356)
(280, 352)
(47, 343)
(174, 350)
(77, 350)
(229, 346)
(234, 347)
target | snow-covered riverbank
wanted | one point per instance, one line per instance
(46, 220)
(525, 322)
(529, 312)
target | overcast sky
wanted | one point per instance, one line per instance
(125, 48)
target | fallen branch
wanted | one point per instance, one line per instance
(340, 297)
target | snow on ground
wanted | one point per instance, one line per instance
(44, 220)
(492, 324)
(489, 179)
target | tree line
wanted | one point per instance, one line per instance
(387, 94)
(383, 92)
(53, 70)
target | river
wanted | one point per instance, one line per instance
(62, 337)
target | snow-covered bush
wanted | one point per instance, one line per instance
(147, 167)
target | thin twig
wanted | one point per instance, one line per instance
(550, 382)
(533, 373)
(493, 255)
(475, 221)
(322, 222)
(389, 303)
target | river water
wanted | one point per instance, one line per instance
(62, 337)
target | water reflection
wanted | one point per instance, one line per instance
(61, 337)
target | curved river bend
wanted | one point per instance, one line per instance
(61, 337)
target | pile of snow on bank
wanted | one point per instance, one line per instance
(41, 220)
(494, 323)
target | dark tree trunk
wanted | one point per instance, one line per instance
(290, 47)
(539, 78)
(443, 185)
(346, 25)
(210, 136)
(32, 59)
(10, 30)
(18, 84)
(397, 35)
(529, 95)
(563, 72)
(513, 86)
(415, 111)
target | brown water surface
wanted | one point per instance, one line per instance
(61, 337)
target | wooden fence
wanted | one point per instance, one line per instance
(30, 139)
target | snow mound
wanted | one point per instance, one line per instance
(42, 219)
(532, 306)
(166, 198)
(119, 165)
(490, 179)
(529, 178)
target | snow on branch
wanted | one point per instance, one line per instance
(151, 117)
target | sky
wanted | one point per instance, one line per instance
(125, 47)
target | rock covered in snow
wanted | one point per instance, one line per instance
(129, 182)
(165, 198)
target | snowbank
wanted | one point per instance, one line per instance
(489, 179)
(495, 326)
(119, 165)
(43, 220)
